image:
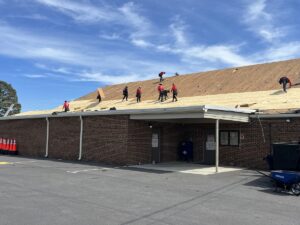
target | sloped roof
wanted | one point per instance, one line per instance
(261, 77)
(253, 86)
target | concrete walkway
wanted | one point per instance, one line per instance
(183, 167)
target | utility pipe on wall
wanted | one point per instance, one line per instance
(47, 137)
(80, 139)
(217, 146)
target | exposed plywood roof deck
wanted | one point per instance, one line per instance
(253, 86)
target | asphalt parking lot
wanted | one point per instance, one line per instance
(45, 192)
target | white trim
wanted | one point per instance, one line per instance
(191, 109)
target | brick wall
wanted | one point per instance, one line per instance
(64, 138)
(105, 139)
(139, 142)
(116, 139)
(30, 135)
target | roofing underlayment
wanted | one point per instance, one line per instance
(254, 87)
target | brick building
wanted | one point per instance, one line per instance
(239, 131)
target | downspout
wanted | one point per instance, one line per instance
(80, 140)
(217, 146)
(47, 138)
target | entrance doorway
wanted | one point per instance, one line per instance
(210, 149)
(155, 154)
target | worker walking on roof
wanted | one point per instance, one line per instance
(160, 90)
(283, 81)
(125, 93)
(161, 76)
(99, 97)
(66, 106)
(138, 94)
(174, 91)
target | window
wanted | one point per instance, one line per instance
(229, 138)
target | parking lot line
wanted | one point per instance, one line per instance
(86, 170)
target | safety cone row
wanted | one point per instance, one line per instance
(8, 146)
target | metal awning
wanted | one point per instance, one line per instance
(196, 113)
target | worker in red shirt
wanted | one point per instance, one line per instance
(161, 76)
(138, 94)
(66, 106)
(160, 90)
(174, 91)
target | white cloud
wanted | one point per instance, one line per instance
(141, 43)
(256, 11)
(261, 22)
(218, 53)
(141, 25)
(81, 12)
(282, 51)
(127, 15)
(178, 30)
(108, 79)
(111, 37)
(35, 76)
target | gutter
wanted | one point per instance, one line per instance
(191, 109)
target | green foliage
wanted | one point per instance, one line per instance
(8, 96)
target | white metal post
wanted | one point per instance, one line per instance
(80, 138)
(217, 146)
(47, 137)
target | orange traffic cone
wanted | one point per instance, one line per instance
(13, 150)
(8, 145)
(4, 146)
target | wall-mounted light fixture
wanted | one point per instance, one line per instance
(288, 120)
(150, 125)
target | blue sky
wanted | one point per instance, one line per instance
(53, 50)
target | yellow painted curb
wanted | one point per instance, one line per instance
(5, 163)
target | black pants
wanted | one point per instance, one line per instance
(161, 96)
(174, 96)
(284, 86)
(125, 97)
(138, 98)
(161, 78)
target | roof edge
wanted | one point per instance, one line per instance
(201, 108)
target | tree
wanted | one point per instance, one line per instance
(8, 96)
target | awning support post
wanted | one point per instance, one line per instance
(217, 146)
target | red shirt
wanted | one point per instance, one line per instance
(66, 105)
(174, 88)
(161, 74)
(139, 91)
(160, 88)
